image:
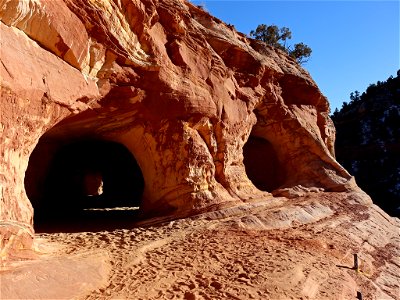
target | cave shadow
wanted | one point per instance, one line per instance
(88, 185)
(89, 220)
(262, 165)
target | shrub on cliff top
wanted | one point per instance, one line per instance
(277, 37)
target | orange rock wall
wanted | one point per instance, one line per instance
(177, 87)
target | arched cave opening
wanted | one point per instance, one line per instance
(262, 164)
(83, 184)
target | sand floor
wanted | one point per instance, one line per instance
(301, 252)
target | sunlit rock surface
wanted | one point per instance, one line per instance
(178, 88)
(159, 105)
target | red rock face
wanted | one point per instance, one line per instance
(179, 89)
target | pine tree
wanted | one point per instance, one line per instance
(277, 37)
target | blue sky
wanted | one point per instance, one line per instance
(355, 43)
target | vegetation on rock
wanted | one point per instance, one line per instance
(368, 141)
(277, 37)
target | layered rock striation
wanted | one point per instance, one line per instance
(178, 89)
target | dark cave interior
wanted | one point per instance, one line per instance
(83, 181)
(262, 164)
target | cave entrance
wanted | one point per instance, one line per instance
(262, 164)
(84, 184)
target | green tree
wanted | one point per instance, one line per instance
(355, 96)
(277, 37)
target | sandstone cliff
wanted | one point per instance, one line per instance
(159, 105)
(180, 90)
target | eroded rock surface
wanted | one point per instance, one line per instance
(277, 249)
(179, 89)
(159, 103)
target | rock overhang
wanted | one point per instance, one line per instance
(181, 90)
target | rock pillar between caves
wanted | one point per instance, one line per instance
(178, 89)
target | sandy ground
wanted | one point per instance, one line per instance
(280, 249)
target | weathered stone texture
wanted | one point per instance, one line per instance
(178, 88)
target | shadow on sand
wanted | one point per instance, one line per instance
(83, 220)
